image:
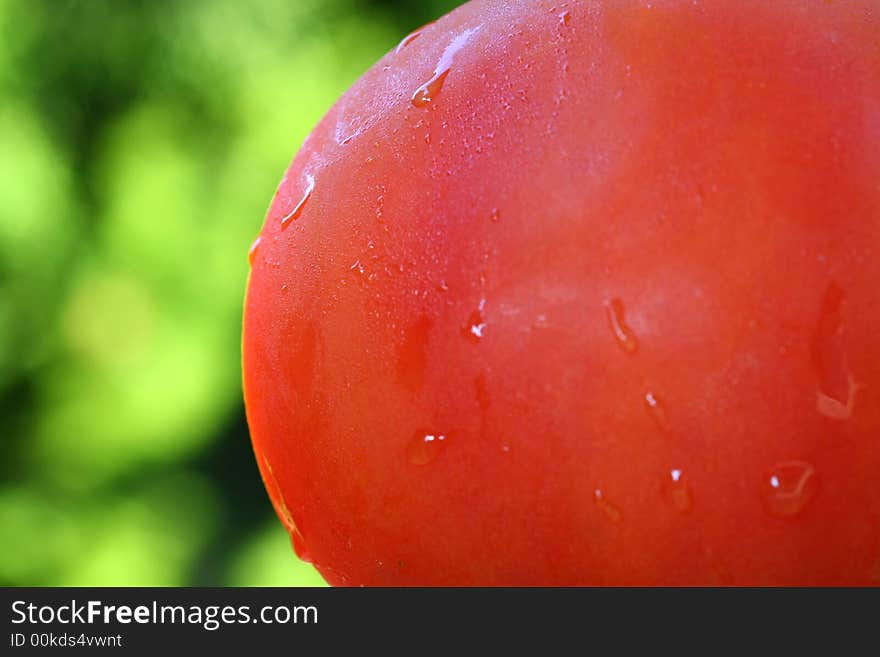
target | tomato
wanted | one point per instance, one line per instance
(583, 294)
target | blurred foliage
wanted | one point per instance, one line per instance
(141, 144)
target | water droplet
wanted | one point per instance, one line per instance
(299, 545)
(424, 447)
(429, 91)
(609, 510)
(495, 215)
(678, 492)
(564, 18)
(284, 288)
(475, 328)
(294, 214)
(789, 488)
(656, 410)
(252, 252)
(622, 333)
(283, 512)
(834, 408)
(408, 39)
(837, 389)
(380, 207)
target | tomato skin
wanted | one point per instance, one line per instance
(603, 311)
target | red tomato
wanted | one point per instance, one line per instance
(582, 294)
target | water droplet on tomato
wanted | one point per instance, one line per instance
(429, 91)
(299, 545)
(294, 214)
(475, 327)
(837, 389)
(789, 488)
(252, 252)
(380, 207)
(834, 408)
(623, 334)
(564, 18)
(678, 492)
(408, 39)
(495, 215)
(609, 510)
(283, 512)
(424, 447)
(656, 410)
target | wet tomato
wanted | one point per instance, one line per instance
(583, 293)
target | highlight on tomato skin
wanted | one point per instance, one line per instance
(583, 293)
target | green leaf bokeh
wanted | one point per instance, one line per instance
(140, 144)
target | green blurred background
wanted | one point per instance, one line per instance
(140, 144)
